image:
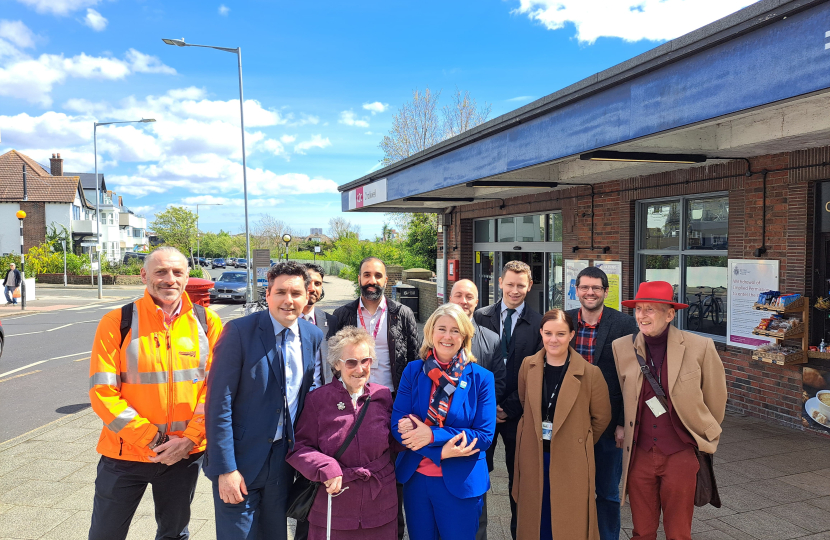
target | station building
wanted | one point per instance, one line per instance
(710, 148)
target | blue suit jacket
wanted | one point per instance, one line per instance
(473, 410)
(245, 394)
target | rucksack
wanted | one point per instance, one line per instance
(127, 318)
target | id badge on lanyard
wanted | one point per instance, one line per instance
(547, 429)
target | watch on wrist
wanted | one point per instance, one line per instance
(162, 438)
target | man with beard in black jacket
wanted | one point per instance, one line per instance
(393, 327)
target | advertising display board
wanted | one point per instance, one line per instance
(747, 279)
(572, 268)
(261, 264)
(613, 269)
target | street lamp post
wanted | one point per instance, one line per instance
(238, 52)
(21, 215)
(97, 193)
(198, 253)
(287, 239)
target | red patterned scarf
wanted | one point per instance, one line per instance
(445, 382)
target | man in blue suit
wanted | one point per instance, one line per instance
(263, 367)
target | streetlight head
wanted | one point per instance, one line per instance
(286, 238)
(20, 214)
(146, 120)
(176, 42)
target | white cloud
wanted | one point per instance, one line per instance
(95, 20)
(350, 119)
(376, 107)
(32, 79)
(58, 7)
(631, 20)
(224, 10)
(316, 141)
(288, 139)
(17, 33)
(140, 210)
(520, 98)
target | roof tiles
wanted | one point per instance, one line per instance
(41, 186)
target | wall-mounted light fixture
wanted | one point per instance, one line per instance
(641, 157)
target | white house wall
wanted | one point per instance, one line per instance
(9, 228)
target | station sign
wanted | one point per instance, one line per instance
(372, 193)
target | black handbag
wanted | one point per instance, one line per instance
(706, 488)
(303, 491)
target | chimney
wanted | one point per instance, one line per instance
(56, 165)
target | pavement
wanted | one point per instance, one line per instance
(774, 481)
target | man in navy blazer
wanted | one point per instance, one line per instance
(263, 367)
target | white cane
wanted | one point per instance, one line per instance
(328, 512)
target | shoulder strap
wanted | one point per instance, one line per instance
(353, 432)
(201, 316)
(126, 320)
(661, 395)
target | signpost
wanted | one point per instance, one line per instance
(63, 243)
(91, 246)
(260, 264)
(316, 251)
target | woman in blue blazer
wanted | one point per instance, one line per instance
(445, 415)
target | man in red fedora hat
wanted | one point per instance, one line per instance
(661, 432)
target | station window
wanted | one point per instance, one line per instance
(684, 241)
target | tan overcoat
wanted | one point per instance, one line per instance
(696, 386)
(583, 411)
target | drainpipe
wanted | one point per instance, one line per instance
(445, 232)
(25, 190)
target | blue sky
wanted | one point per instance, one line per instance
(322, 82)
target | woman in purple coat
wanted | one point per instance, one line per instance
(367, 505)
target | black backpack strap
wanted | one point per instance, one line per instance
(201, 316)
(126, 320)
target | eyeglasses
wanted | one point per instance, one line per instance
(352, 363)
(595, 288)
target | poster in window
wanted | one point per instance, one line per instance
(612, 269)
(815, 397)
(572, 268)
(747, 279)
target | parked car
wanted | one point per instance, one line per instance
(241, 263)
(230, 286)
(218, 263)
(231, 261)
(208, 261)
(130, 256)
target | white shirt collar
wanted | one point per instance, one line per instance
(382, 304)
(353, 396)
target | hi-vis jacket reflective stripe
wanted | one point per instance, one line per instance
(154, 382)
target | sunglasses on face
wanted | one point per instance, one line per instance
(352, 363)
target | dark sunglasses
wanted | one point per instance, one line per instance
(351, 363)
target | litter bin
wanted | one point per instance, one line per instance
(408, 295)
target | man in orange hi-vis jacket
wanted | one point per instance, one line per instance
(147, 383)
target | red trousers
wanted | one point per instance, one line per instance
(659, 482)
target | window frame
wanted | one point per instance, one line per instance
(681, 252)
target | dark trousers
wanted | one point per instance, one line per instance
(120, 484)
(657, 481)
(301, 533)
(507, 430)
(608, 466)
(261, 515)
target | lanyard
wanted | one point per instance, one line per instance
(363, 324)
(658, 373)
(555, 388)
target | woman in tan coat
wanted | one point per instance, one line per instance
(566, 409)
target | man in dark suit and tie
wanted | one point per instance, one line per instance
(519, 328)
(597, 326)
(326, 322)
(263, 367)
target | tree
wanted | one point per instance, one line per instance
(57, 232)
(463, 114)
(177, 227)
(415, 127)
(340, 227)
(422, 238)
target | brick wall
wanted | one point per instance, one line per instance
(428, 301)
(755, 388)
(107, 279)
(393, 274)
(34, 225)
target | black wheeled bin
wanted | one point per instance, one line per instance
(408, 295)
